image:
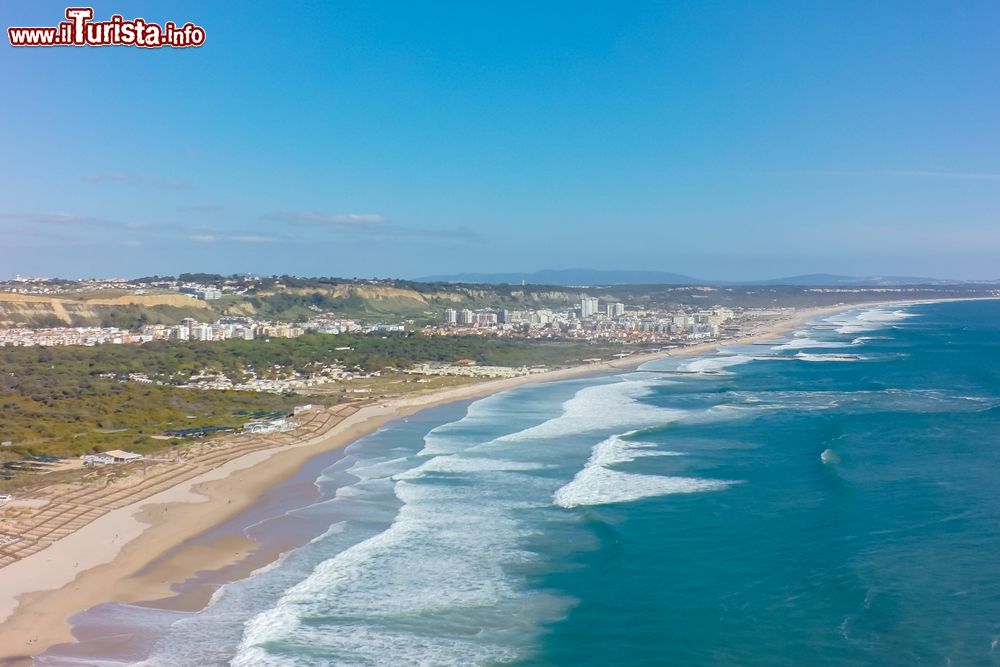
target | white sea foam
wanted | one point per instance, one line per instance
(484, 415)
(714, 365)
(603, 407)
(610, 407)
(445, 561)
(601, 486)
(866, 320)
(804, 356)
(882, 315)
(802, 343)
(884, 400)
(442, 564)
(620, 449)
(434, 588)
(378, 468)
(598, 484)
(458, 464)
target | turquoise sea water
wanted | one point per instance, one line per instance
(831, 500)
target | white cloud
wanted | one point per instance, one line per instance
(323, 218)
(251, 238)
(232, 238)
(64, 219)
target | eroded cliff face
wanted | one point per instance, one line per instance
(452, 295)
(37, 310)
(367, 292)
(125, 308)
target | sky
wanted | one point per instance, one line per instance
(725, 140)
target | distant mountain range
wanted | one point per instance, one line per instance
(588, 277)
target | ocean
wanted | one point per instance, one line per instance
(832, 498)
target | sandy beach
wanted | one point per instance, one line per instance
(109, 558)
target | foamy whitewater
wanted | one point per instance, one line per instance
(717, 510)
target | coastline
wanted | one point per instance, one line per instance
(109, 559)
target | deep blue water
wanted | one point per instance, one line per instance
(834, 500)
(888, 556)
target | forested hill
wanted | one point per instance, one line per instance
(71, 400)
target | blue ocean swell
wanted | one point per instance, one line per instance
(884, 554)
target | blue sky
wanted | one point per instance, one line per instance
(720, 139)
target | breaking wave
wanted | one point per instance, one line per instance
(600, 484)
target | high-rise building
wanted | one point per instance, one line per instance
(451, 316)
(588, 306)
(202, 332)
(466, 316)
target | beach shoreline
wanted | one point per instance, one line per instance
(108, 560)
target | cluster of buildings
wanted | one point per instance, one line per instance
(471, 369)
(330, 324)
(53, 287)
(276, 380)
(28, 337)
(248, 329)
(48, 286)
(224, 329)
(188, 330)
(201, 292)
(593, 320)
(589, 307)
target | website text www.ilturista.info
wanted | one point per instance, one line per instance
(81, 30)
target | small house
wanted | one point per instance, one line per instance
(119, 456)
(113, 456)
